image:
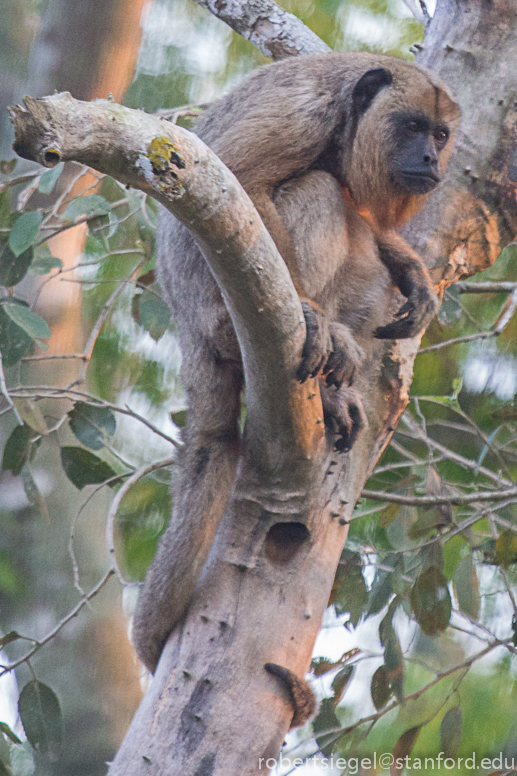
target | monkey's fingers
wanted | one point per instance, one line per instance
(346, 355)
(318, 344)
(413, 317)
(344, 414)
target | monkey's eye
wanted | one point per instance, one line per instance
(413, 126)
(441, 136)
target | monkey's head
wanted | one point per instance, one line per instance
(402, 127)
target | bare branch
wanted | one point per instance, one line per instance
(275, 32)
(428, 501)
(419, 10)
(75, 611)
(178, 170)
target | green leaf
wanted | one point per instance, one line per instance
(14, 342)
(91, 424)
(340, 683)
(7, 167)
(352, 594)
(4, 727)
(94, 205)
(13, 268)
(5, 209)
(17, 449)
(393, 659)
(450, 310)
(31, 414)
(506, 548)
(431, 601)
(388, 515)
(28, 320)
(8, 639)
(23, 234)
(33, 493)
(154, 314)
(43, 261)
(451, 731)
(466, 587)
(381, 591)
(22, 760)
(403, 748)
(4, 771)
(84, 468)
(40, 714)
(142, 516)
(179, 418)
(380, 688)
(326, 720)
(48, 179)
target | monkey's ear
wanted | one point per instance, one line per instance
(367, 88)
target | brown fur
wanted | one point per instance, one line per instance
(294, 137)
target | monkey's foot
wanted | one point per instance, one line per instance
(413, 317)
(330, 349)
(345, 356)
(344, 415)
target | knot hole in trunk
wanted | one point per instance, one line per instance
(283, 541)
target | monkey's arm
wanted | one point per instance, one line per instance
(322, 353)
(411, 277)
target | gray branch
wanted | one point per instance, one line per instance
(275, 32)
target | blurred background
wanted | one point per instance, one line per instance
(91, 279)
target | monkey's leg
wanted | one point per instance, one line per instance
(344, 414)
(410, 275)
(207, 471)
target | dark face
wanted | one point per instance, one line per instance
(418, 144)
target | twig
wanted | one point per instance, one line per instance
(5, 393)
(46, 392)
(425, 501)
(456, 340)
(418, 694)
(75, 611)
(110, 520)
(88, 350)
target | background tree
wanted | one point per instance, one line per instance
(439, 449)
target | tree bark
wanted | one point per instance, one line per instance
(212, 709)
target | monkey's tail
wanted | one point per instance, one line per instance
(183, 549)
(299, 691)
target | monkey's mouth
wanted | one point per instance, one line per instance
(418, 182)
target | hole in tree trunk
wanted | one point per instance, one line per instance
(283, 541)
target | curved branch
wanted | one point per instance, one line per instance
(275, 32)
(180, 171)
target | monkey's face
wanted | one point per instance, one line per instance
(418, 143)
(403, 121)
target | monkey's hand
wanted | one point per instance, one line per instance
(330, 349)
(344, 415)
(409, 273)
(414, 316)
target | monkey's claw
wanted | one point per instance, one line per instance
(330, 349)
(318, 343)
(413, 317)
(345, 356)
(344, 414)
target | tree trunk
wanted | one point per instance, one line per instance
(212, 709)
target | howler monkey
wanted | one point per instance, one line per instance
(335, 150)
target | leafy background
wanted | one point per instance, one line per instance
(416, 653)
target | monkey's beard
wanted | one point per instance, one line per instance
(415, 182)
